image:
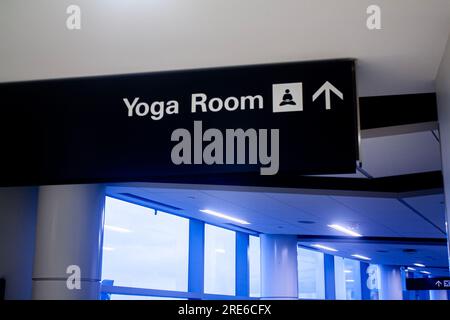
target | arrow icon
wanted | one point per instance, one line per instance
(438, 283)
(327, 88)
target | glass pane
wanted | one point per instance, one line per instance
(352, 279)
(220, 260)
(311, 274)
(145, 249)
(339, 278)
(254, 259)
(348, 279)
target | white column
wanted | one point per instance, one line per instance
(391, 283)
(438, 295)
(443, 104)
(279, 279)
(69, 232)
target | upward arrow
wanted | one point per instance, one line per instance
(327, 88)
(439, 284)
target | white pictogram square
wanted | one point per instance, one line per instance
(287, 97)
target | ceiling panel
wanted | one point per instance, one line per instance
(285, 212)
(401, 154)
(192, 201)
(279, 213)
(261, 203)
(391, 213)
(328, 211)
(431, 206)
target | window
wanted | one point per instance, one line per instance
(352, 279)
(220, 260)
(148, 249)
(144, 248)
(254, 260)
(311, 274)
(348, 279)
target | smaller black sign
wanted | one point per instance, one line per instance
(2, 289)
(428, 284)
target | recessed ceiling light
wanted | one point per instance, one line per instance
(349, 280)
(360, 257)
(420, 265)
(410, 269)
(345, 230)
(224, 216)
(319, 246)
(219, 250)
(108, 249)
(425, 272)
(347, 271)
(116, 229)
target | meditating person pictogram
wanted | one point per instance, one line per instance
(287, 99)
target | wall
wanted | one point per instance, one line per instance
(17, 238)
(443, 100)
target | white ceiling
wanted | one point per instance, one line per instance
(280, 212)
(139, 36)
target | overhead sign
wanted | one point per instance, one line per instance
(428, 284)
(264, 120)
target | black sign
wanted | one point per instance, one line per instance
(262, 121)
(428, 284)
(2, 289)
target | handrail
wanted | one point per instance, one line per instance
(168, 293)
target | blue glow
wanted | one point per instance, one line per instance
(254, 260)
(348, 279)
(311, 274)
(220, 260)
